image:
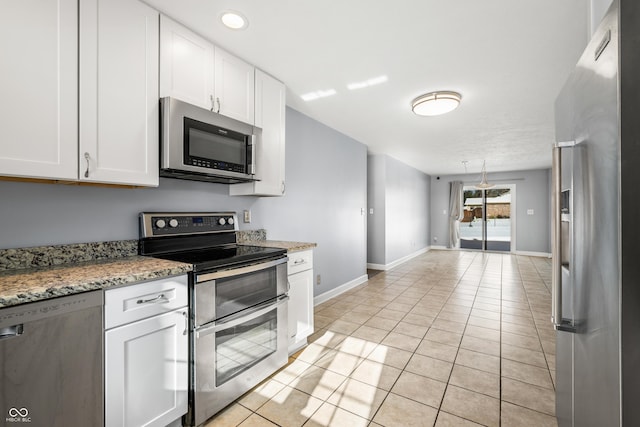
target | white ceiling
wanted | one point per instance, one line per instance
(508, 59)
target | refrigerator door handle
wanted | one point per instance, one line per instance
(559, 323)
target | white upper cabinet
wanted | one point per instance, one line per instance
(234, 87)
(186, 65)
(270, 158)
(193, 70)
(105, 74)
(119, 110)
(39, 109)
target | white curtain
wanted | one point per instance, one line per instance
(455, 213)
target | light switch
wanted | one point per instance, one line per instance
(529, 211)
(370, 211)
(444, 211)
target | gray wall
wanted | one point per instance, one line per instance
(532, 192)
(326, 200)
(376, 201)
(326, 188)
(399, 225)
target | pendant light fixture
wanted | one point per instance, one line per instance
(483, 185)
(436, 103)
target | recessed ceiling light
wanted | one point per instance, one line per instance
(436, 103)
(234, 20)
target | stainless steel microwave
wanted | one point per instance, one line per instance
(200, 145)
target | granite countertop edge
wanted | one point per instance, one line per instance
(39, 273)
(36, 284)
(282, 244)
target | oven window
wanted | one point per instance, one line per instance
(239, 292)
(215, 147)
(240, 347)
(204, 141)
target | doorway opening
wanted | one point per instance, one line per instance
(488, 221)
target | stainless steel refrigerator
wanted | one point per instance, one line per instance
(596, 229)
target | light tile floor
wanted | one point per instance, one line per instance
(447, 339)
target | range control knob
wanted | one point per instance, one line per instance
(161, 223)
(173, 223)
(230, 221)
(222, 221)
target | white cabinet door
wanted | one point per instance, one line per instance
(186, 65)
(146, 371)
(270, 112)
(119, 110)
(39, 68)
(300, 307)
(234, 87)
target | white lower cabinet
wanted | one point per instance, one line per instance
(300, 276)
(146, 371)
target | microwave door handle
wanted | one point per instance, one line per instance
(251, 153)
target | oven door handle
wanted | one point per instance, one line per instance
(242, 317)
(238, 271)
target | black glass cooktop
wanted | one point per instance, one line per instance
(221, 257)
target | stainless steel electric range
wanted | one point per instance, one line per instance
(238, 304)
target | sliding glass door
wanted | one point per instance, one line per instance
(487, 222)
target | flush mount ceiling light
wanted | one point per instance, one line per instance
(483, 185)
(234, 20)
(436, 103)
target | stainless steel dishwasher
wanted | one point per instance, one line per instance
(51, 362)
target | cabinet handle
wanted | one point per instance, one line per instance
(186, 323)
(146, 301)
(87, 157)
(212, 103)
(299, 261)
(284, 187)
(218, 104)
(11, 331)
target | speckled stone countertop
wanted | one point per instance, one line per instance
(244, 236)
(35, 274)
(259, 238)
(289, 246)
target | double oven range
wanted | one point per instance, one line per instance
(238, 304)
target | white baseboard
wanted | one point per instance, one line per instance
(441, 248)
(340, 289)
(399, 261)
(538, 254)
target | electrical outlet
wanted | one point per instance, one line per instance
(318, 279)
(435, 238)
(247, 216)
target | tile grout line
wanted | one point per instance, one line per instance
(403, 368)
(451, 293)
(460, 343)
